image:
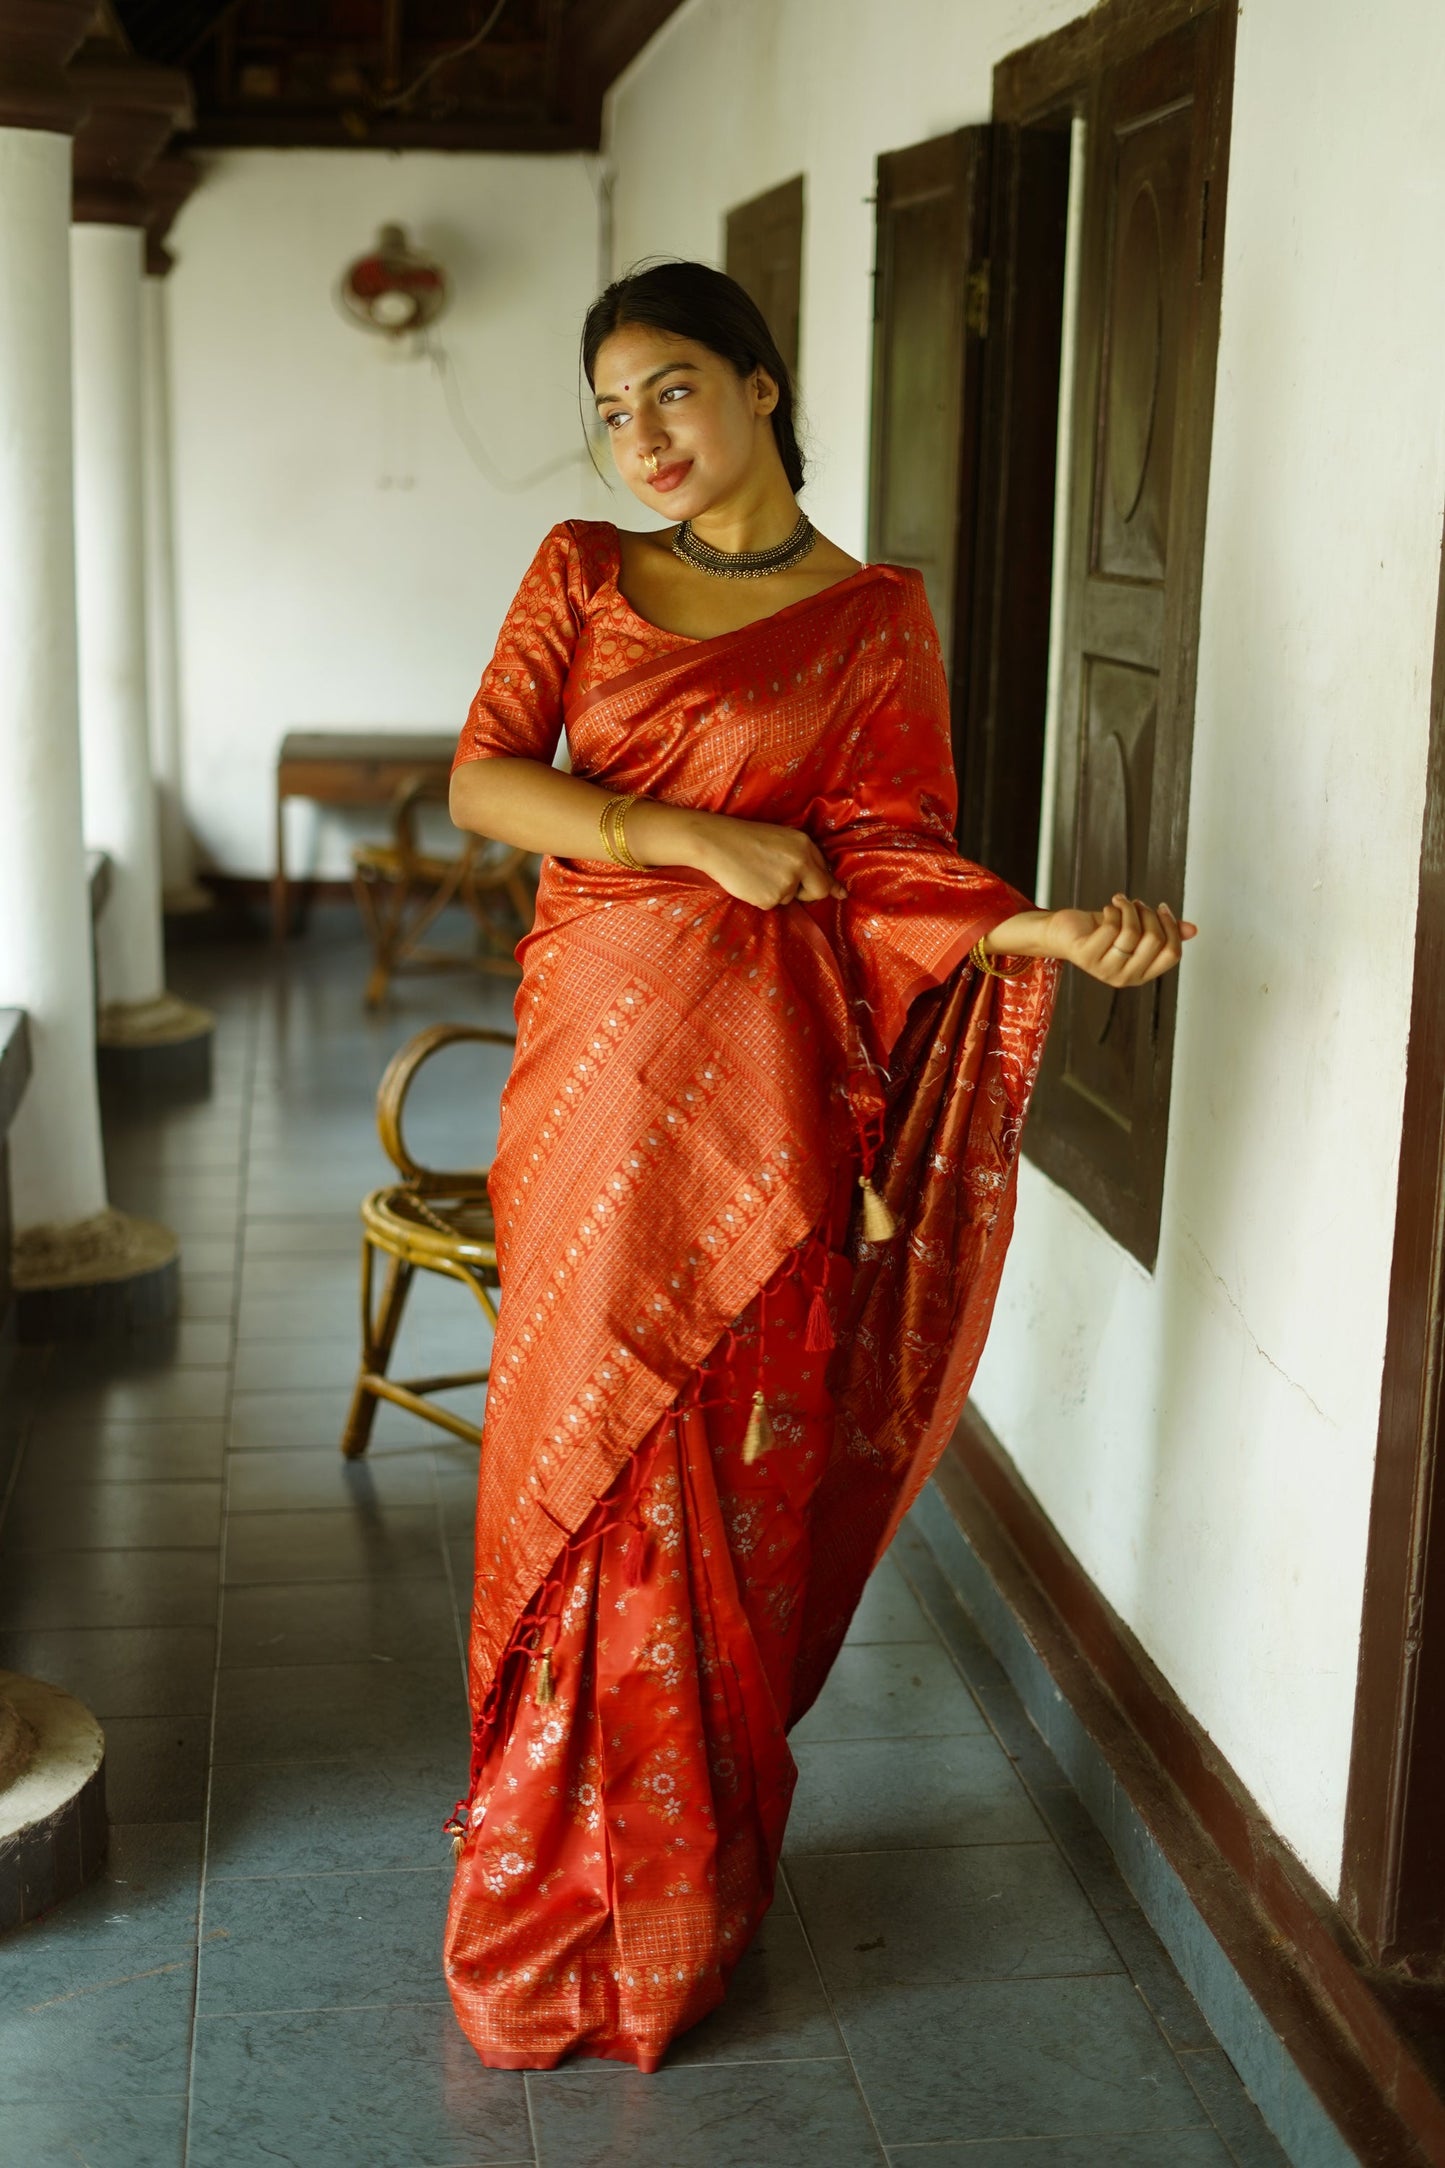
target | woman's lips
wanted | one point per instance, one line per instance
(668, 477)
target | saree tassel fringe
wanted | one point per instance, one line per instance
(758, 1437)
(818, 1334)
(546, 1691)
(879, 1224)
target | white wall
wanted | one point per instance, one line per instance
(1202, 1436)
(341, 559)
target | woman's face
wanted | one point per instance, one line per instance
(687, 431)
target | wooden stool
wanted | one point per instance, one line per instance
(402, 890)
(430, 1221)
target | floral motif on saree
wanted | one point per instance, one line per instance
(697, 1086)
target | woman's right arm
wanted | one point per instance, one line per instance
(523, 801)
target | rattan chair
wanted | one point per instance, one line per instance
(429, 1221)
(402, 890)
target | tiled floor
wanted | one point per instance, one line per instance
(953, 1975)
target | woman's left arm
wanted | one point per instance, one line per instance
(1125, 944)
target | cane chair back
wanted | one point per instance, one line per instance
(431, 1220)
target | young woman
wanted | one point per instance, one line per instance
(754, 1181)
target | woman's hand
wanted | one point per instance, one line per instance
(1125, 944)
(761, 863)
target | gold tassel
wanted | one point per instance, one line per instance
(545, 1692)
(458, 1840)
(758, 1437)
(879, 1225)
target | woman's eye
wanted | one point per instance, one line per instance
(668, 390)
(613, 421)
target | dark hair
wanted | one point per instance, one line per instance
(695, 302)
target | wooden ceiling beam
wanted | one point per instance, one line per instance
(385, 132)
(602, 37)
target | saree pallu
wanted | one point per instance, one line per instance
(697, 1089)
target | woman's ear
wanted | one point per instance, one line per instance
(765, 392)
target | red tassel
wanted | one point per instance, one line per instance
(819, 1333)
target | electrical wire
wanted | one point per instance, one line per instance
(472, 443)
(440, 60)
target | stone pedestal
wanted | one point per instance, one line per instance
(52, 1797)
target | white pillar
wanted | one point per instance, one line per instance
(118, 795)
(177, 855)
(45, 954)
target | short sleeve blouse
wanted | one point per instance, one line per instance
(568, 629)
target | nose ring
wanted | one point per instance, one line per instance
(650, 461)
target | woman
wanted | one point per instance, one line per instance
(753, 1186)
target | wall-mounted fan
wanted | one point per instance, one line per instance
(395, 288)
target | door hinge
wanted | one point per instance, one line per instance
(975, 301)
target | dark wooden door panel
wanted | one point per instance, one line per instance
(931, 244)
(1120, 706)
(1147, 324)
(1151, 264)
(764, 253)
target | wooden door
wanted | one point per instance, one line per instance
(1147, 326)
(764, 253)
(930, 312)
(1000, 673)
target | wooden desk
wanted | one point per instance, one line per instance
(347, 767)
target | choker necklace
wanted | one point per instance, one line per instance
(745, 564)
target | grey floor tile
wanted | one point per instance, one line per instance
(353, 1711)
(208, 1295)
(204, 1255)
(1161, 2149)
(119, 2044)
(304, 1279)
(307, 1418)
(109, 1588)
(60, 1455)
(309, 1942)
(60, 2130)
(121, 1670)
(167, 1392)
(138, 1917)
(1014, 2059)
(384, 1542)
(748, 2115)
(313, 1234)
(931, 1919)
(1177, 2013)
(870, 1795)
(1232, 2112)
(1085, 1848)
(336, 1622)
(893, 1690)
(113, 1516)
(284, 1366)
(155, 1768)
(303, 1817)
(324, 1313)
(888, 1609)
(393, 2088)
(163, 1190)
(299, 1479)
(775, 2009)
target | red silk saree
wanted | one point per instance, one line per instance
(697, 1088)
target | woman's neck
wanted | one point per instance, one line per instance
(756, 516)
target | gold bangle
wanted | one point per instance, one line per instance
(981, 962)
(614, 836)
